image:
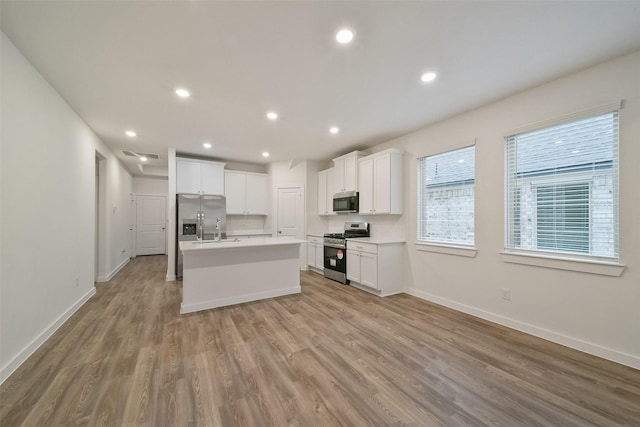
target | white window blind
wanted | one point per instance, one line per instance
(562, 188)
(446, 197)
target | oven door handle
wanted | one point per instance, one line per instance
(335, 246)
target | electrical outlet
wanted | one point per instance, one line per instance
(506, 294)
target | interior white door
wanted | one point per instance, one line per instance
(290, 212)
(291, 217)
(151, 225)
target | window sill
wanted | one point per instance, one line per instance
(569, 264)
(465, 251)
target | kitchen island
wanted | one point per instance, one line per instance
(233, 271)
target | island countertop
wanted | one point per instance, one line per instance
(237, 243)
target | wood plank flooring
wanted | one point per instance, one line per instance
(332, 355)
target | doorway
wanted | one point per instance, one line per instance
(290, 220)
(100, 217)
(151, 225)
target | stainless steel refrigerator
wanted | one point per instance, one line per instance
(197, 218)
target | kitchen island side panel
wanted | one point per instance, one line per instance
(226, 276)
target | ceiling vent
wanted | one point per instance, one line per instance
(148, 156)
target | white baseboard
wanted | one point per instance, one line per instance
(222, 302)
(113, 273)
(575, 343)
(23, 355)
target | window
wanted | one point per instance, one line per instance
(446, 197)
(562, 189)
(562, 214)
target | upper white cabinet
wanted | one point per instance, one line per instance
(380, 183)
(247, 193)
(199, 177)
(326, 185)
(346, 172)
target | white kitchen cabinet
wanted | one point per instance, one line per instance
(199, 177)
(346, 172)
(315, 252)
(325, 192)
(376, 267)
(246, 193)
(380, 183)
(369, 270)
(360, 257)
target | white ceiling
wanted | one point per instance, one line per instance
(118, 63)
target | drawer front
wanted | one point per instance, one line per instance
(363, 247)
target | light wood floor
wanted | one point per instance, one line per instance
(332, 355)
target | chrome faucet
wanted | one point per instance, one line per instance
(200, 221)
(218, 235)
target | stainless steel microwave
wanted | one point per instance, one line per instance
(346, 202)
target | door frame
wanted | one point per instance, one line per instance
(134, 223)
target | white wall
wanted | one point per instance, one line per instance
(595, 313)
(171, 215)
(48, 210)
(315, 222)
(150, 186)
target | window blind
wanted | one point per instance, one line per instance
(446, 197)
(562, 188)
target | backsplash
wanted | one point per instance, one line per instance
(246, 224)
(382, 226)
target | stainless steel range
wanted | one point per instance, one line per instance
(335, 250)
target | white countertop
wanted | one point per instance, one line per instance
(316, 234)
(242, 243)
(248, 233)
(377, 240)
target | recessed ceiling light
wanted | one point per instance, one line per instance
(461, 161)
(130, 133)
(272, 115)
(207, 145)
(559, 141)
(334, 130)
(575, 151)
(428, 77)
(344, 36)
(143, 158)
(183, 93)
(265, 154)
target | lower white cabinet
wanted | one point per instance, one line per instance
(376, 266)
(315, 252)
